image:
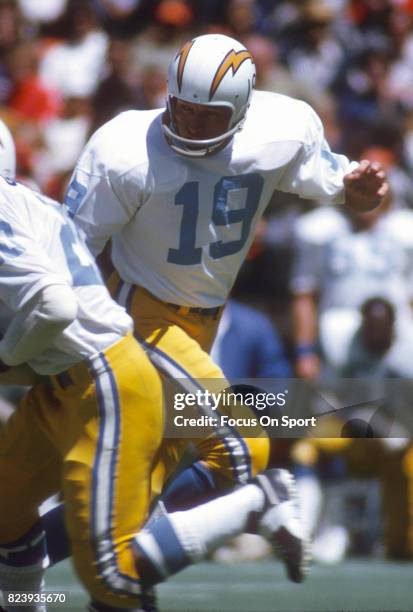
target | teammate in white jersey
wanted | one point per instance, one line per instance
(344, 262)
(343, 259)
(92, 427)
(63, 323)
(179, 192)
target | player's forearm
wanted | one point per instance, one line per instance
(304, 320)
(307, 362)
(36, 327)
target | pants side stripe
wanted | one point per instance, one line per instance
(104, 473)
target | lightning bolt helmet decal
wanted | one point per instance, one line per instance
(183, 56)
(233, 59)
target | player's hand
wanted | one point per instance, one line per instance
(366, 186)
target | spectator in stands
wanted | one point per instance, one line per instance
(372, 18)
(42, 11)
(153, 87)
(242, 17)
(315, 56)
(11, 33)
(78, 61)
(121, 18)
(172, 25)
(63, 140)
(11, 25)
(362, 88)
(271, 74)
(120, 89)
(29, 96)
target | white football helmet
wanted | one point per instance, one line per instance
(212, 70)
(7, 153)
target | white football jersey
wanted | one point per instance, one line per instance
(180, 226)
(39, 247)
(346, 267)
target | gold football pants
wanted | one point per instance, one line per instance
(177, 342)
(94, 433)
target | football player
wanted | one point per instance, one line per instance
(343, 262)
(179, 192)
(92, 427)
(9, 396)
(342, 259)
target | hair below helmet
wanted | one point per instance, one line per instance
(212, 70)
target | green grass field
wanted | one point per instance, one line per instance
(356, 586)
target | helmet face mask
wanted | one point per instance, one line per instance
(215, 72)
(200, 122)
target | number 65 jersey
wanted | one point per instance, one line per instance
(180, 226)
(40, 247)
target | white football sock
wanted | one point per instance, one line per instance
(310, 495)
(29, 578)
(202, 529)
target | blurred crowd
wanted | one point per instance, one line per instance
(331, 292)
(67, 66)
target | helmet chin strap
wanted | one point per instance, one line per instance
(198, 148)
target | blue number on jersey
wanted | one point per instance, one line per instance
(186, 254)
(82, 274)
(74, 196)
(188, 196)
(222, 215)
(6, 249)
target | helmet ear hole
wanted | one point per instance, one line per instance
(216, 71)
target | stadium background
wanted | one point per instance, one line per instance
(67, 66)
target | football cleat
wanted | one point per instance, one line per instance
(149, 601)
(280, 523)
(148, 604)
